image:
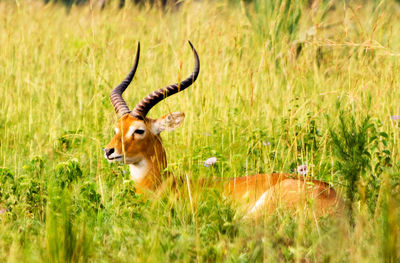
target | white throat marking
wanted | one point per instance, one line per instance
(139, 170)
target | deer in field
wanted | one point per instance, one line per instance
(137, 143)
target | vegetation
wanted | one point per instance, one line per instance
(282, 84)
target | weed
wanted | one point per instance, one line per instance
(356, 147)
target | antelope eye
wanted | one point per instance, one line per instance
(139, 131)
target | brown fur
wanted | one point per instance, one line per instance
(284, 189)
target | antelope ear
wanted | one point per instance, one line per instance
(168, 122)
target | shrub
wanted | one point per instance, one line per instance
(68, 171)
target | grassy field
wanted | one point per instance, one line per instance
(280, 85)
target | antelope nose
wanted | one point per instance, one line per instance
(108, 151)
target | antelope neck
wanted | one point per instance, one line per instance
(146, 173)
(139, 170)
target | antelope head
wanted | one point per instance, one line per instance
(137, 140)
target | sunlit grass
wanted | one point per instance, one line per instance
(265, 101)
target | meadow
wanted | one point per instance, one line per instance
(282, 84)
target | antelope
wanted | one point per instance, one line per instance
(137, 143)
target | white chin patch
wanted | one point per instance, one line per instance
(114, 158)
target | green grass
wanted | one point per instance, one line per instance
(280, 85)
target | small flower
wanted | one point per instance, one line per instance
(266, 143)
(395, 117)
(302, 169)
(312, 31)
(210, 161)
(3, 211)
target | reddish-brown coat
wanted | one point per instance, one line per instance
(284, 189)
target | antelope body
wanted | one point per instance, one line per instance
(137, 142)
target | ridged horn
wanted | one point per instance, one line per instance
(145, 105)
(120, 106)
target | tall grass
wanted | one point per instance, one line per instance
(271, 73)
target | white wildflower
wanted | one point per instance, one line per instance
(4, 210)
(312, 31)
(210, 161)
(395, 117)
(302, 169)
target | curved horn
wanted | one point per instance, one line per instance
(120, 106)
(144, 106)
